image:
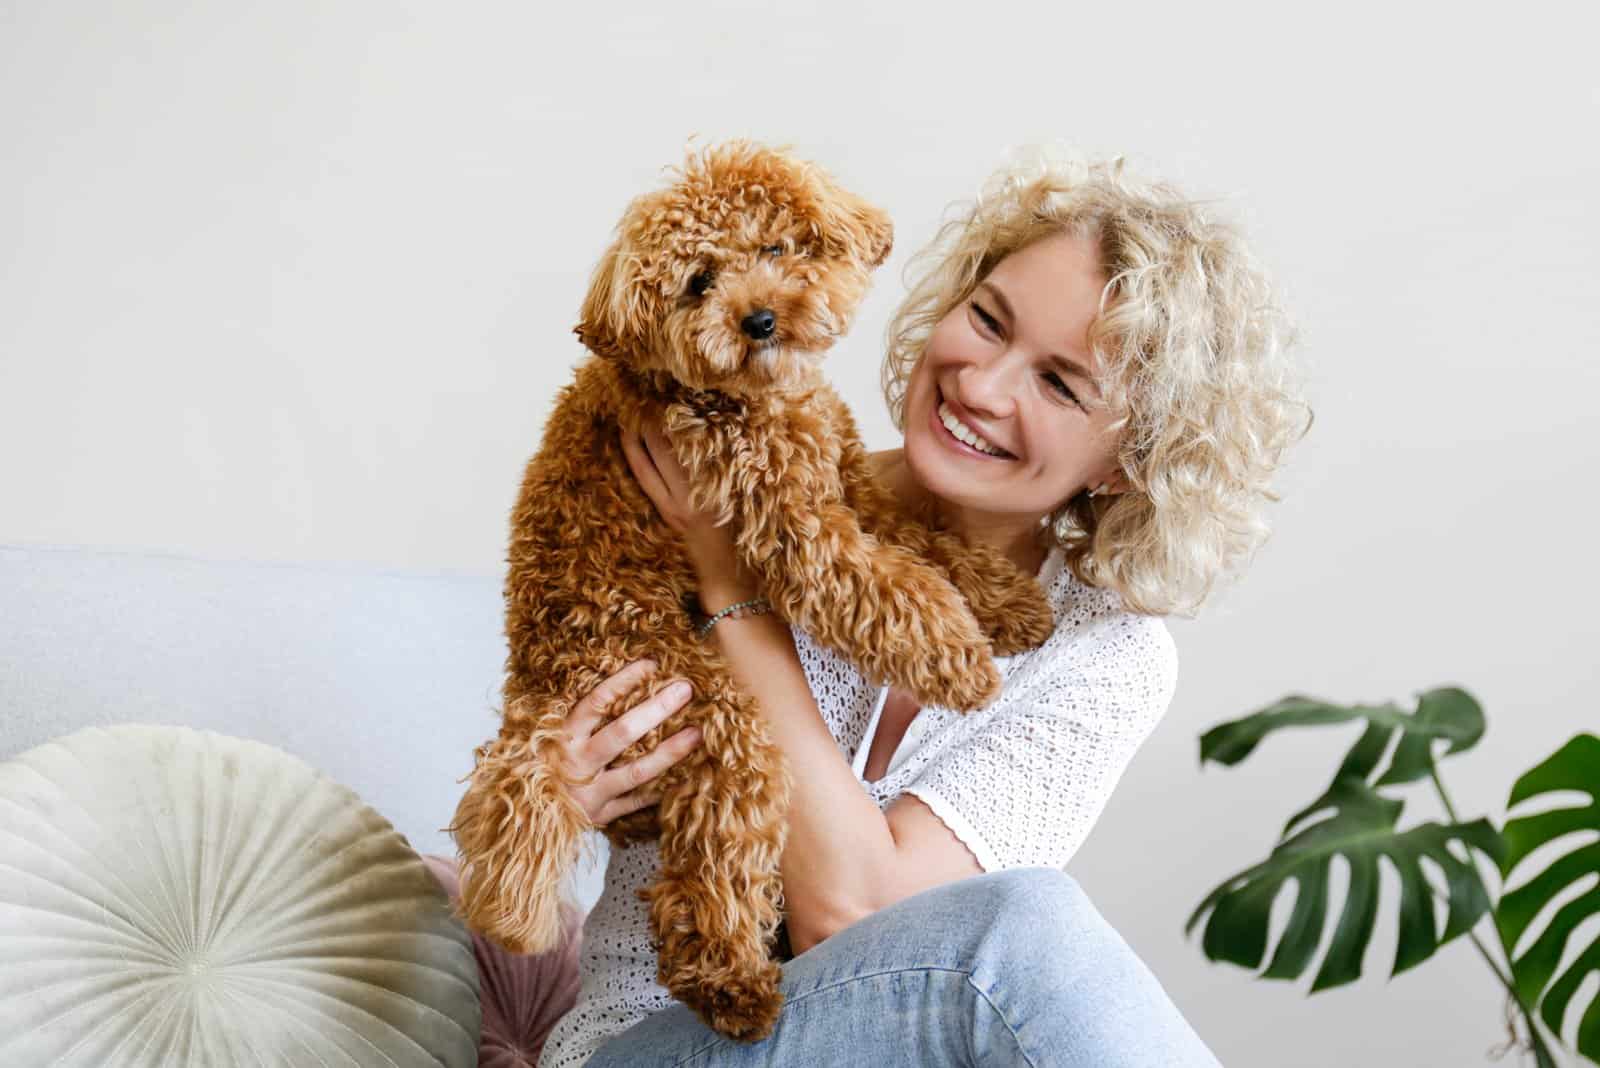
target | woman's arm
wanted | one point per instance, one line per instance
(844, 858)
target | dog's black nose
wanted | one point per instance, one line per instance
(759, 324)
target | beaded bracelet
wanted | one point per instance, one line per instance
(756, 607)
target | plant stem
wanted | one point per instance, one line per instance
(1488, 958)
(1540, 1051)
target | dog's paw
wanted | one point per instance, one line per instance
(972, 688)
(1024, 622)
(538, 926)
(744, 1009)
(969, 681)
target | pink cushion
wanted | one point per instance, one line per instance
(522, 996)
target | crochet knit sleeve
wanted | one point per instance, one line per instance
(1024, 788)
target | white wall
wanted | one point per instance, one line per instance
(295, 281)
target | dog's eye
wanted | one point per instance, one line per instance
(701, 282)
(772, 250)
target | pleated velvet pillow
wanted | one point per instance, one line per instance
(523, 995)
(183, 899)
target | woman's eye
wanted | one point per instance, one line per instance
(701, 282)
(1059, 386)
(989, 321)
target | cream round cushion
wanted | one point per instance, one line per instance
(184, 899)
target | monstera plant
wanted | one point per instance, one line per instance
(1356, 820)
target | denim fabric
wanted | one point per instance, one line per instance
(1008, 968)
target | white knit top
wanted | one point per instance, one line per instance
(1019, 782)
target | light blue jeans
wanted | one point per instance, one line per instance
(1008, 968)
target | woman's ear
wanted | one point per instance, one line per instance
(1114, 483)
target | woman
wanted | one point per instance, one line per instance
(1091, 376)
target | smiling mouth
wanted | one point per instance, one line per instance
(961, 436)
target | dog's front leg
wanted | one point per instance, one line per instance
(1008, 603)
(518, 828)
(891, 613)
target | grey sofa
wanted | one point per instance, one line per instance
(385, 681)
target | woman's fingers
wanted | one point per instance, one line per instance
(606, 793)
(641, 775)
(634, 774)
(664, 460)
(621, 806)
(644, 469)
(607, 743)
(586, 715)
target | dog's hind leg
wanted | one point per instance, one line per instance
(715, 911)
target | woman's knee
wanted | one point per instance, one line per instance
(1040, 921)
(1033, 901)
(1040, 884)
(1061, 976)
(1020, 919)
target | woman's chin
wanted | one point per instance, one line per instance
(939, 473)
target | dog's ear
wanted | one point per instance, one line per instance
(856, 229)
(602, 325)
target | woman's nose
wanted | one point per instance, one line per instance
(988, 387)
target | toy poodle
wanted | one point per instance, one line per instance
(710, 311)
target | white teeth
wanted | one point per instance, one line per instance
(963, 432)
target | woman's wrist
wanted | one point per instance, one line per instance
(722, 580)
(755, 606)
(723, 591)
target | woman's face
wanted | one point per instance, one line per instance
(1002, 414)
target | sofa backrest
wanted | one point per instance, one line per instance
(385, 681)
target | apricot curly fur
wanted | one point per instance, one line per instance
(596, 581)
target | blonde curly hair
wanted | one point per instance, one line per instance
(1193, 350)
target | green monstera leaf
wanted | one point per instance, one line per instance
(1360, 828)
(1447, 714)
(1353, 820)
(1575, 766)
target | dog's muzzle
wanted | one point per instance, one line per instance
(759, 324)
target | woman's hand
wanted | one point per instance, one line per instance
(614, 792)
(711, 549)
